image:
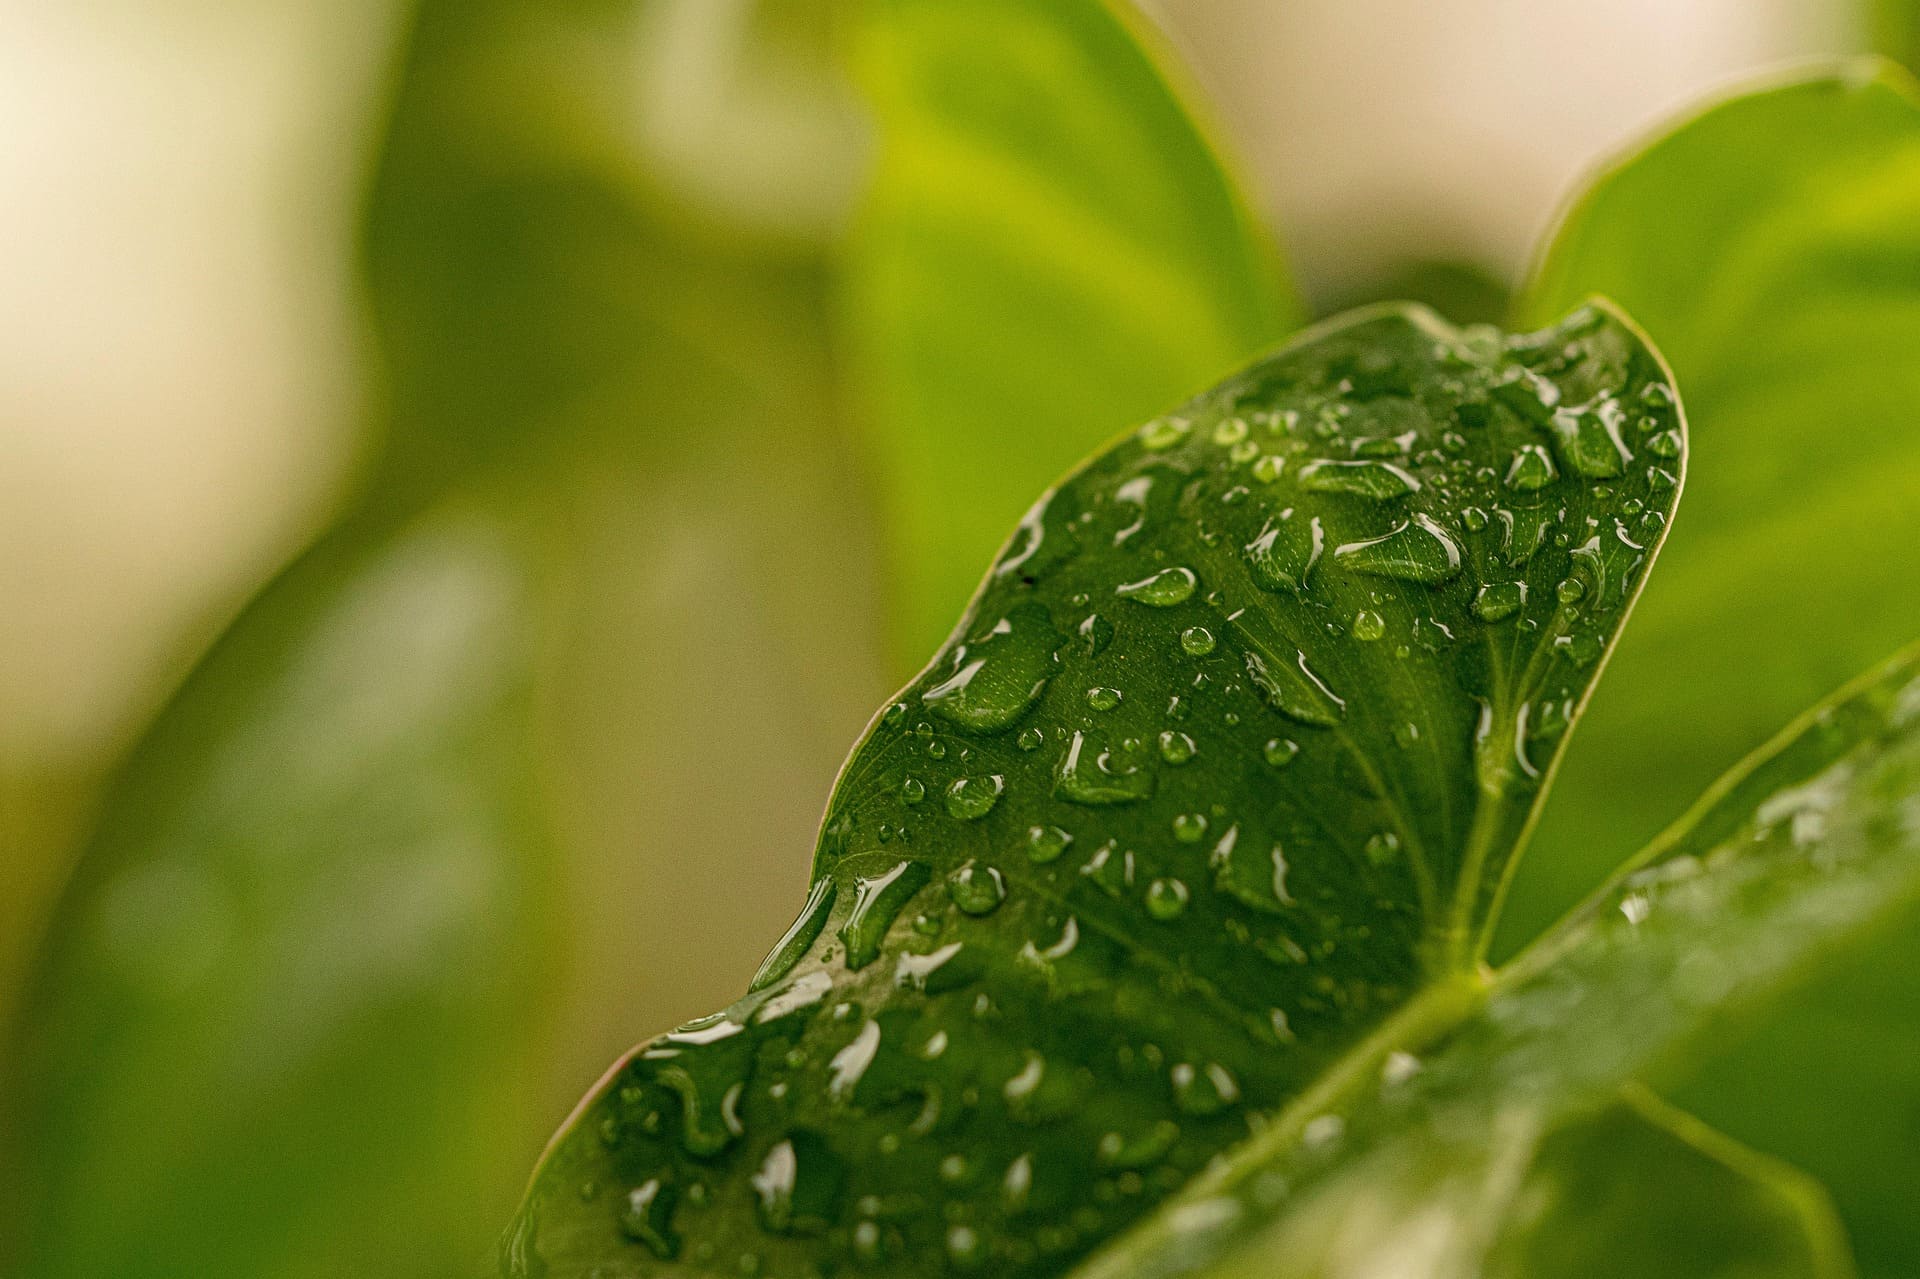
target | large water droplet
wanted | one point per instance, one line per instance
(1093, 776)
(1588, 440)
(1368, 478)
(1164, 589)
(1283, 555)
(997, 677)
(1497, 601)
(1295, 691)
(878, 900)
(1417, 551)
(799, 935)
(1531, 469)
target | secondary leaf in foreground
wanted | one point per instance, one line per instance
(1418, 1164)
(1771, 245)
(1052, 250)
(1219, 774)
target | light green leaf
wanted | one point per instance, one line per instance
(1051, 251)
(1214, 785)
(1422, 1157)
(303, 1011)
(1772, 247)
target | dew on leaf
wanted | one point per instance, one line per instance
(1166, 899)
(1497, 601)
(1164, 589)
(1419, 550)
(1046, 844)
(1368, 478)
(1531, 469)
(977, 889)
(971, 798)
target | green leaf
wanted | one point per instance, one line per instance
(1051, 251)
(1772, 247)
(1412, 1165)
(1217, 779)
(303, 1010)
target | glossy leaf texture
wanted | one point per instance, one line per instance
(1219, 774)
(1051, 250)
(312, 998)
(1447, 1140)
(1771, 246)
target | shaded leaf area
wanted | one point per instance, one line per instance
(1772, 247)
(1419, 1164)
(1217, 775)
(1050, 251)
(298, 1010)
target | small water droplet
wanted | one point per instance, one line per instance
(977, 889)
(1176, 747)
(1030, 739)
(1092, 776)
(1163, 433)
(1382, 847)
(1280, 751)
(1268, 468)
(1531, 470)
(1666, 444)
(1102, 698)
(1190, 828)
(1497, 601)
(1230, 431)
(647, 1217)
(851, 1062)
(1046, 844)
(1166, 899)
(912, 791)
(1367, 626)
(1282, 556)
(1203, 1090)
(1197, 641)
(971, 798)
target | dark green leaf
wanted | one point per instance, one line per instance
(1217, 779)
(1772, 248)
(1052, 251)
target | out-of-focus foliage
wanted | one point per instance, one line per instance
(1772, 247)
(318, 986)
(1051, 250)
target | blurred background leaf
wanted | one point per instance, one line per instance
(1771, 247)
(1051, 250)
(363, 914)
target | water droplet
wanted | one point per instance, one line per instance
(1531, 470)
(1017, 1185)
(1164, 589)
(1163, 433)
(1110, 868)
(1096, 632)
(998, 676)
(1368, 478)
(1283, 555)
(1046, 843)
(1295, 691)
(647, 1217)
(912, 791)
(1418, 551)
(1092, 776)
(977, 889)
(1367, 626)
(1382, 847)
(1473, 519)
(877, 901)
(1588, 439)
(971, 798)
(1268, 468)
(799, 935)
(1117, 1151)
(851, 1062)
(1102, 698)
(1497, 601)
(1203, 1090)
(1030, 739)
(965, 1249)
(869, 1245)
(1666, 444)
(1190, 828)
(1166, 899)
(1176, 748)
(1230, 431)
(1197, 641)
(1279, 751)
